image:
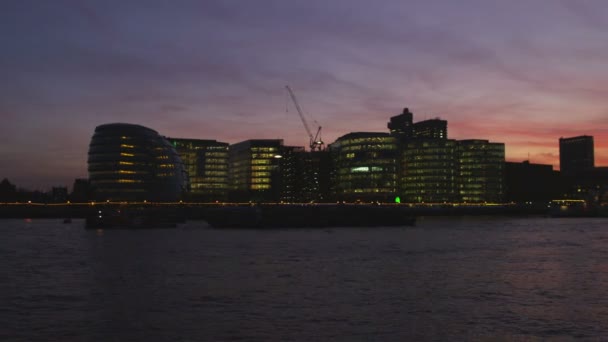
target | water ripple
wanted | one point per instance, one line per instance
(446, 279)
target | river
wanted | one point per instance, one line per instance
(470, 278)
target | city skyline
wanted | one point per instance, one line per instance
(523, 74)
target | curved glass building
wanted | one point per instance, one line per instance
(366, 166)
(134, 163)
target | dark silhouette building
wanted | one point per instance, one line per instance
(527, 182)
(206, 162)
(431, 129)
(576, 155)
(287, 173)
(81, 191)
(402, 125)
(599, 178)
(304, 175)
(590, 185)
(134, 163)
(8, 191)
(59, 194)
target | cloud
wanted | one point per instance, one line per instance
(592, 17)
(217, 70)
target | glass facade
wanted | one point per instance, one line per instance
(133, 163)
(253, 166)
(365, 166)
(206, 162)
(480, 175)
(445, 171)
(428, 171)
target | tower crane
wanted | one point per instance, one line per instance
(316, 144)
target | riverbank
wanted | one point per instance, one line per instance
(199, 211)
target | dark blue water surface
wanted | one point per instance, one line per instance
(445, 279)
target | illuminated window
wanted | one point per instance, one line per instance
(261, 168)
(129, 181)
(215, 173)
(260, 186)
(214, 160)
(360, 169)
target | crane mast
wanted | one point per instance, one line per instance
(316, 144)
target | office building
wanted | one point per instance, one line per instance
(206, 162)
(288, 172)
(129, 162)
(315, 176)
(428, 171)
(365, 166)
(401, 125)
(305, 175)
(480, 171)
(528, 182)
(431, 129)
(253, 170)
(576, 155)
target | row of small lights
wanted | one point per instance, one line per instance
(92, 203)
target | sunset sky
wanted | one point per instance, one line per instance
(520, 72)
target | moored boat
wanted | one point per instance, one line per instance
(131, 218)
(308, 216)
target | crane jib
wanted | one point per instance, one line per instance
(315, 141)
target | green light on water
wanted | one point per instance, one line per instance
(397, 199)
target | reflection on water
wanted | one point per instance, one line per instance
(473, 278)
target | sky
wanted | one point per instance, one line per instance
(520, 72)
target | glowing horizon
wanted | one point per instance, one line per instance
(524, 74)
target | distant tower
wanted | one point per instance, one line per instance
(402, 125)
(576, 155)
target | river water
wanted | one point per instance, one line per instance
(468, 278)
